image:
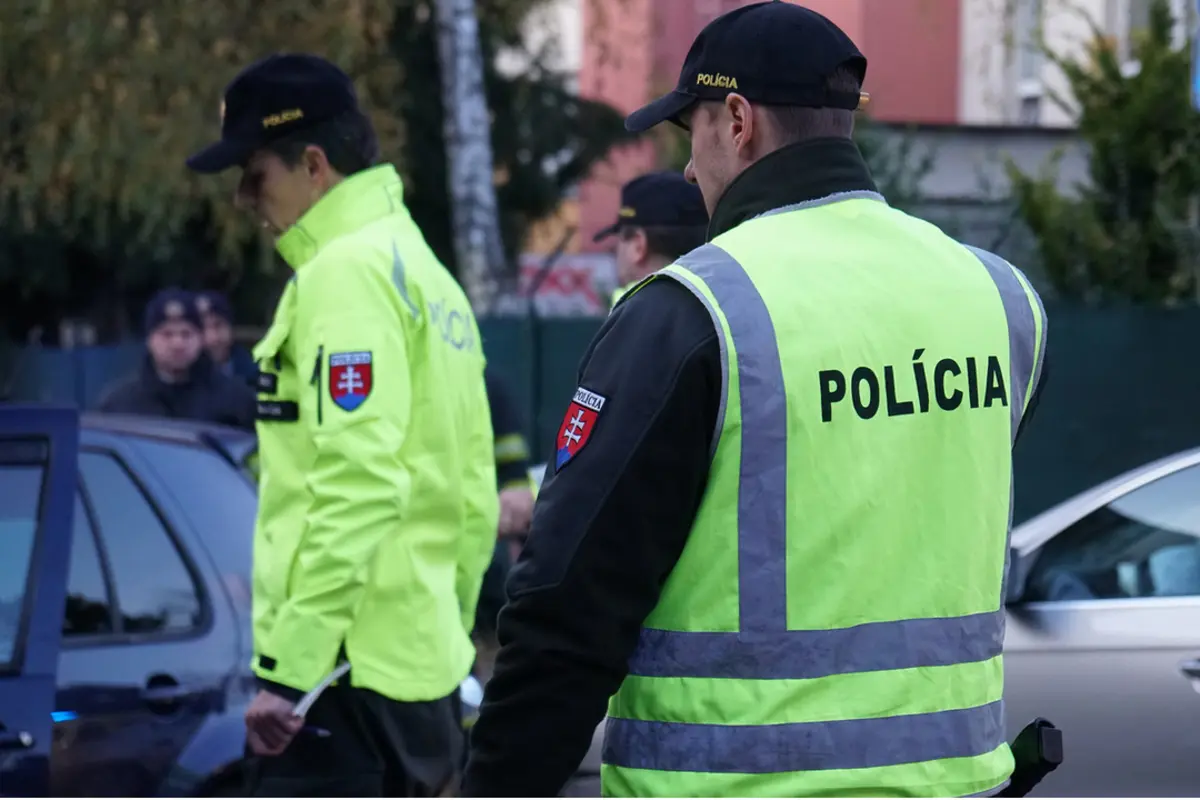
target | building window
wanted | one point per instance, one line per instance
(1030, 111)
(1027, 43)
(1137, 21)
(1028, 40)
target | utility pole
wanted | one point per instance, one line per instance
(467, 128)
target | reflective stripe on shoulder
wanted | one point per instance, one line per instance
(1026, 329)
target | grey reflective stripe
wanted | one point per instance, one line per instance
(836, 197)
(762, 482)
(1023, 343)
(799, 655)
(399, 280)
(804, 746)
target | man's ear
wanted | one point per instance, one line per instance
(315, 162)
(641, 247)
(741, 121)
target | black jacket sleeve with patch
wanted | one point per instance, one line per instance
(607, 531)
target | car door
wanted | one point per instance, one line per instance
(37, 480)
(141, 677)
(1105, 642)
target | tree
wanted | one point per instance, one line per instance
(1130, 233)
(102, 102)
(480, 253)
(545, 138)
(104, 99)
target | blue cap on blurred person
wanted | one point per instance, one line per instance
(270, 99)
(659, 199)
(214, 302)
(170, 305)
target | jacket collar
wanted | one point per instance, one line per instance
(359, 200)
(798, 173)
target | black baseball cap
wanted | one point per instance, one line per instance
(270, 99)
(775, 53)
(659, 198)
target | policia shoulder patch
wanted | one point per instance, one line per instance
(577, 425)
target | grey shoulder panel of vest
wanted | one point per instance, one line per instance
(1026, 317)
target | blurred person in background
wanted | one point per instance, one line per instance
(177, 379)
(662, 217)
(377, 509)
(516, 510)
(229, 356)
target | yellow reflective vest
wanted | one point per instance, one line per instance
(377, 509)
(834, 625)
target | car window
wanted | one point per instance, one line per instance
(20, 492)
(89, 608)
(1144, 544)
(216, 497)
(155, 590)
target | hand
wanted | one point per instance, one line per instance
(516, 510)
(270, 724)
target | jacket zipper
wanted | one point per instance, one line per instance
(316, 380)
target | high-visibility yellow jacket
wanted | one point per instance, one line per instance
(378, 510)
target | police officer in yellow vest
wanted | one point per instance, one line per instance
(662, 216)
(377, 509)
(777, 526)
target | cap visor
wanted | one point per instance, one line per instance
(664, 108)
(218, 157)
(607, 232)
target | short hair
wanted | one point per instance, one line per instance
(669, 241)
(348, 140)
(795, 123)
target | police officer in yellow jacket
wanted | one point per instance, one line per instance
(377, 508)
(662, 216)
(777, 527)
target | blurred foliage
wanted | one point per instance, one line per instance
(897, 162)
(102, 100)
(1130, 232)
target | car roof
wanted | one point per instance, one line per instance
(1033, 532)
(232, 442)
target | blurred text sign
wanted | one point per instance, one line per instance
(577, 285)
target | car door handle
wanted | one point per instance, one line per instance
(1191, 669)
(163, 694)
(19, 740)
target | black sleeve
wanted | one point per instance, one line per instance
(511, 447)
(1032, 405)
(242, 403)
(607, 530)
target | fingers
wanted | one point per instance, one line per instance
(270, 734)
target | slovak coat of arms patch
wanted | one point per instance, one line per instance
(577, 425)
(350, 378)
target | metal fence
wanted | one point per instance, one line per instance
(1122, 388)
